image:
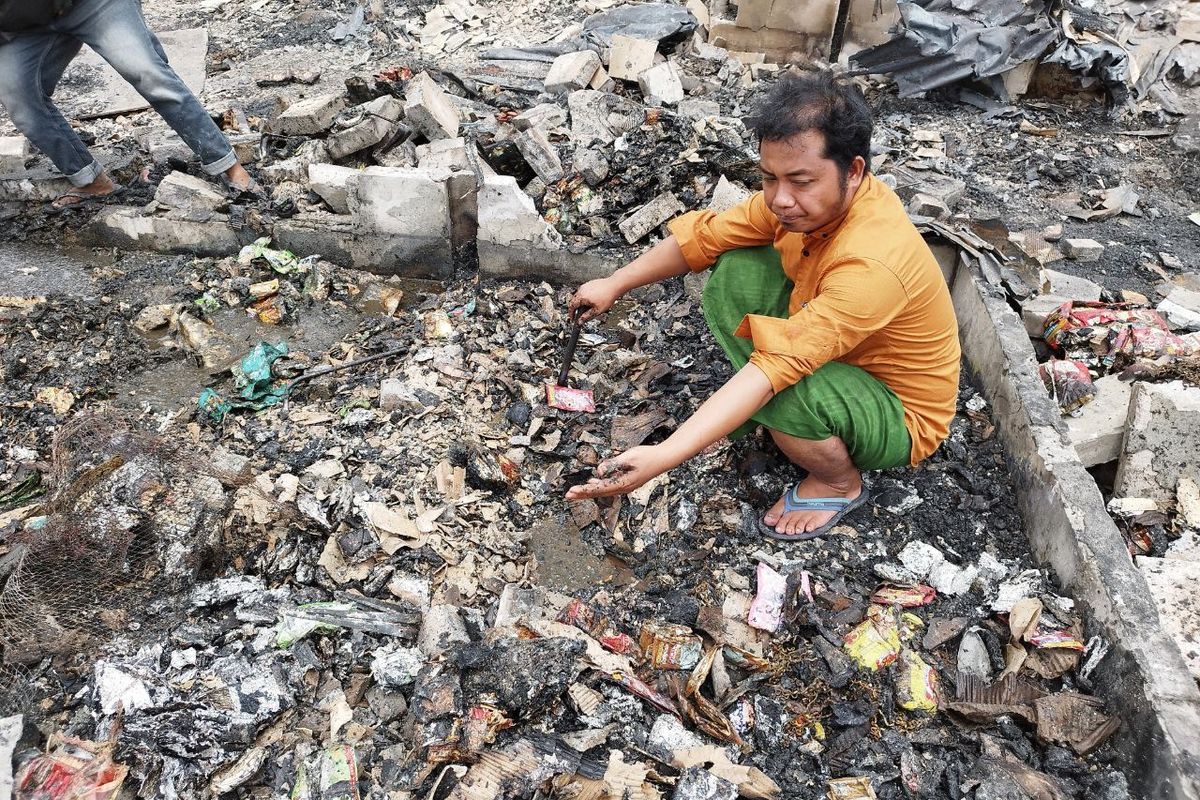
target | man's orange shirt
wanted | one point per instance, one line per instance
(868, 292)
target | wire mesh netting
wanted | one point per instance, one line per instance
(130, 517)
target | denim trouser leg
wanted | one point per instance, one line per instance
(30, 66)
(32, 63)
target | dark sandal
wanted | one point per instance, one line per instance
(793, 503)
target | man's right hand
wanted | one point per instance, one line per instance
(594, 298)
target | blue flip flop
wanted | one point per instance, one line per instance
(792, 502)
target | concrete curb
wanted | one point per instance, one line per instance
(1143, 677)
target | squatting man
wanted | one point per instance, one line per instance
(39, 38)
(826, 300)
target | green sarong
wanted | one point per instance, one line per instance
(837, 400)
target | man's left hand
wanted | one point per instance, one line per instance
(622, 474)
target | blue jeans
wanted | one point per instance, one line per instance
(32, 63)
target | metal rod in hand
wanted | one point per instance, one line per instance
(569, 353)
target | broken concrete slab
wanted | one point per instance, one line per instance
(638, 224)
(592, 165)
(332, 182)
(429, 109)
(629, 57)
(92, 88)
(727, 194)
(296, 167)
(926, 205)
(540, 154)
(399, 201)
(546, 116)
(572, 71)
(380, 118)
(1162, 437)
(130, 227)
(696, 109)
(339, 240)
(1099, 429)
(1082, 250)
(14, 152)
(1071, 286)
(310, 116)
(1181, 308)
(187, 192)
(444, 154)
(601, 117)
(1173, 584)
(661, 84)
(514, 240)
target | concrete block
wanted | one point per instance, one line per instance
(507, 216)
(1072, 287)
(1099, 429)
(694, 109)
(400, 202)
(338, 239)
(295, 168)
(727, 194)
(650, 216)
(130, 228)
(380, 118)
(441, 629)
(1181, 308)
(753, 14)
(189, 193)
(310, 116)
(443, 154)
(1187, 134)
(14, 152)
(926, 205)
(601, 117)
(546, 116)
(910, 182)
(592, 165)
(1173, 583)
(395, 394)
(332, 182)
(777, 46)
(1082, 249)
(1035, 309)
(540, 154)
(1162, 437)
(572, 71)
(515, 242)
(815, 19)
(661, 82)
(429, 109)
(629, 57)
(602, 81)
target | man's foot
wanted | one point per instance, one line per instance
(802, 521)
(239, 182)
(101, 187)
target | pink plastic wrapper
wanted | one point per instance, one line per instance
(1100, 334)
(766, 612)
(1069, 383)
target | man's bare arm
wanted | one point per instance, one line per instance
(731, 405)
(664, 260)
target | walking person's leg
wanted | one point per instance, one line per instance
(31, 65)
(116, 30)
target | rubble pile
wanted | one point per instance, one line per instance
(416, 609)
(410, 608)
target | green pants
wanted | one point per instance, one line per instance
(837, 400)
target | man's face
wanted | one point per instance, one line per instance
(802, 187)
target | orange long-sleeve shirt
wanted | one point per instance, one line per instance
(868, 292)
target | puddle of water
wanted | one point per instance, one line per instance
(563, 561)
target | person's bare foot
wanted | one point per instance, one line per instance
(240, 182)
(797, 522)
(103, 185)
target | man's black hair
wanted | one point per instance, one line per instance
(817, 101)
